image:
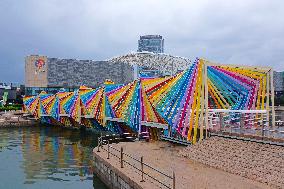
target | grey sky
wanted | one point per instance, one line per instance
(241, 32)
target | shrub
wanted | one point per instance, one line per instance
(11, 107)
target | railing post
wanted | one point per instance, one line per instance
(262, 129)
(174, 180)
(242, 122)
(142, 170)
(221, 122)
(98, 144)
(231, 128)
(121, 157)
(108, 149)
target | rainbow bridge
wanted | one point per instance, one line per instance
(203, 98)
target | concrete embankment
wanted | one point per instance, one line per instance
(16, 119)
(164, 157)
(112, 176)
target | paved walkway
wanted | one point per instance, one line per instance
(189, 173)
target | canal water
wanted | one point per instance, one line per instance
(47, 157)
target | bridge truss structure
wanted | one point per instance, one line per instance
(186, 105)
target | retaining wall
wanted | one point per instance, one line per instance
(111, 176)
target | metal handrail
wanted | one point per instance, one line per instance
(141, 170)
(158, 171)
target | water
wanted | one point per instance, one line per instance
(47, 157)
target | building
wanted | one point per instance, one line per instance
(151, 43)
(278, 80)
(51, 74)
(14, 92)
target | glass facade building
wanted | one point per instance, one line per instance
(151, 43)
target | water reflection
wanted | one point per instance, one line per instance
(48, 157)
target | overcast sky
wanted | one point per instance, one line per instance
(241, 32)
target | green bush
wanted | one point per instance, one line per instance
(11, 107)
(279, 100)
(17, 105)
(282, 100)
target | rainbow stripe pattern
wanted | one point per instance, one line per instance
(178, 101)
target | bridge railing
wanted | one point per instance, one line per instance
(250, 124)
(144, 170)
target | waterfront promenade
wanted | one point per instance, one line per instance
(167, 158)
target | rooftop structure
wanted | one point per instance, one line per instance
(165, 64)
(151, 43)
